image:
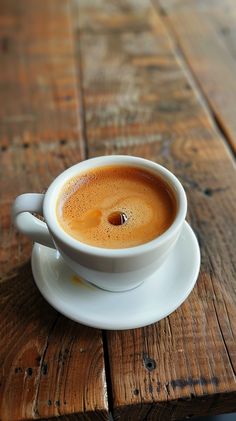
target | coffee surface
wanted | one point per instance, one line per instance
(116, 207)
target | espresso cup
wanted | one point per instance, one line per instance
(107, 268)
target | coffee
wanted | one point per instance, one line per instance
(116, 206)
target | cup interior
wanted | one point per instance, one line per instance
(53, 192)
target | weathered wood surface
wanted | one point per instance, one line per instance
(138, 100)
(133, 95)
(49, 366)
(205, 32)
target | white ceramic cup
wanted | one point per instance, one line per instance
(109, 269)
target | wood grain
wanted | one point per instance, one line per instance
(139, 100)
(126, 91)
(207, 38)
(49, 365)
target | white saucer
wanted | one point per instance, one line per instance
(155, 299)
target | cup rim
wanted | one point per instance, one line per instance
(58, 233)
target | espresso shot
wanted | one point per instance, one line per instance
(116, 207)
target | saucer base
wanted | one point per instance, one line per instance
(154, 299)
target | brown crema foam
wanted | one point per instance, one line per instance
(116, 206)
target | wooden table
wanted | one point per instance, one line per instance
(83, 78)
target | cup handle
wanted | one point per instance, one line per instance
(27, 223)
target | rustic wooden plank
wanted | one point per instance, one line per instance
(139, 100)
(111, 17)
(207, 37)
(49, 365)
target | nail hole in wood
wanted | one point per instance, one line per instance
(29, 371)
(149, 363)
(208, 192)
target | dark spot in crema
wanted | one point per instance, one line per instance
(63, 141)
(117, 218)
(58, 403)
(18, 370)
(49, 402)
(136, 392)
(149, 363)
(3, 148)
(25, 145)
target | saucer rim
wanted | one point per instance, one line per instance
(58, 304)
